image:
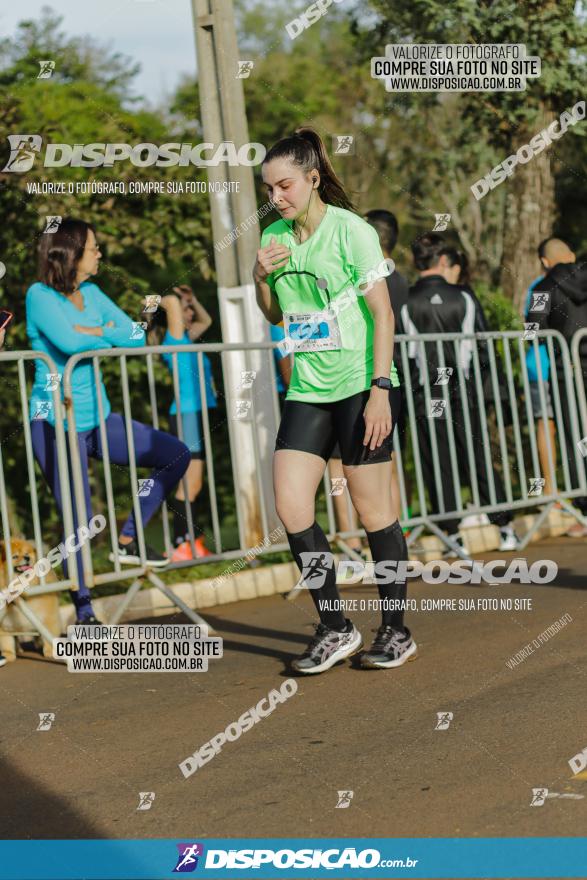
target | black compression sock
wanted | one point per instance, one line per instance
(386, 545)
(198, 532)
(313, 543)
(180, 524)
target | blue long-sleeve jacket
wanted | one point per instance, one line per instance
(50, 319)
(542, 349)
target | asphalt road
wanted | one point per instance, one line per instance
(372, 732)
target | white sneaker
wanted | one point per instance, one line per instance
(452, 554)
(508, 539)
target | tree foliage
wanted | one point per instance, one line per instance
(149, 242)
(484, 128)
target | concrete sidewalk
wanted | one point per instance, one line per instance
(369, 732)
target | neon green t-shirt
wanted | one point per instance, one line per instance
(341, 254)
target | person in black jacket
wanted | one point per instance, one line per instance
(559, 302)
(437, 306)
(386, 226)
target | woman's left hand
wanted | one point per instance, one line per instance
(377, 415)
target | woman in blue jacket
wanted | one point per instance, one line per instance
(66, 314)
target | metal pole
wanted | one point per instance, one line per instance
(224, 119)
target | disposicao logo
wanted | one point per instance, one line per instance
(187, 860)
(25, 147)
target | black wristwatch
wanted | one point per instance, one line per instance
(381, 382)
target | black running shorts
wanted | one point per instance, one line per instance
(316, 427)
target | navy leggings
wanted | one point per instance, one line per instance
(167, 455)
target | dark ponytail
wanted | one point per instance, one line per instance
(305, 148)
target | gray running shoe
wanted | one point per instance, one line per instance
(327, 647)
(391, 648)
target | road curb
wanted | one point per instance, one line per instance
(269, 580)
(198, 594)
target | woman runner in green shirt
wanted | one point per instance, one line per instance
(320, 269)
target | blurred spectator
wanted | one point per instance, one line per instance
(386, 226)
(559, 302)
(184, 319)
(437, 306)
(67, 314)
(551, 251)
(457, 271)
(5, 319)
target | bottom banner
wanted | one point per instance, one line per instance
(294, 857)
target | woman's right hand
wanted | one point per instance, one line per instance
(269, 259)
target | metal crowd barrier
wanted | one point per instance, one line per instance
(498, 434)
(13, 437)
(580, 372)
(512, 450)
(121, 358)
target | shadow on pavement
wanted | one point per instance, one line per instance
(30, 811)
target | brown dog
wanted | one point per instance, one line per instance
(46, 607)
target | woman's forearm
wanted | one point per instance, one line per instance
(267, 302)
(384, 331)
(197, 329)
(202, 315)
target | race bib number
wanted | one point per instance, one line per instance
(312, 331)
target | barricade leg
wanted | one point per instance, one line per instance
(523, 543)
(179, 603)
(128, 597)
(353, 554)
(446, 540)
(414, 534)
(573, 511)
